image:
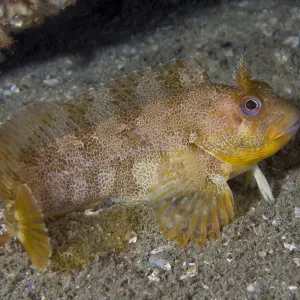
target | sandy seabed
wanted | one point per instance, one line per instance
(109, 253)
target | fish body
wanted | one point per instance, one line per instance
(166, 134)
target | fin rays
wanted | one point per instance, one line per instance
(31, 229)
(193, 215)
(187, 209)
(32, 127)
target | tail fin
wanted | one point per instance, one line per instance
(31, 229)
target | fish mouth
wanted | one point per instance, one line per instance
(291, 130)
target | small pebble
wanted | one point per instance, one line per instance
(153, 276)
(162, 249)
(121, 65)
(31, 285)
(281, 57)
(297, 212)
(7, 92)
(191, 272)
(288, 90)
(262, 254)
(276, 222)
(50, 81)
(14, 89)
(17, 22)
(228, 53)
(161, 263)
(288, 186)
(251, 288)
(265, 28)
(292, 41)
(229, 257)
(132, 240)
(291, 247)
(68, 61)
(296, 260)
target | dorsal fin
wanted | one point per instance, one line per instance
(44, 123)
(137, 90)
(29, 128)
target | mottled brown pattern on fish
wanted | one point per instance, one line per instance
(96, 161)
(167, 135)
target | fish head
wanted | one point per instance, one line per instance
(253, 123)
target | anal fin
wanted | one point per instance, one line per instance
(190, 201)
(30, 227)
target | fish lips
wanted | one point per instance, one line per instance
(291, 130)
(294, 128)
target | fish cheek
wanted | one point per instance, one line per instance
(247, 136)
(228, 121)
(233, 124)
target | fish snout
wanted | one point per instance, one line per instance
(287, 125)
(293, 128)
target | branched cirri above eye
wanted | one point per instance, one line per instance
(251, 105)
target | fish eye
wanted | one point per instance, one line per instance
(251, 105)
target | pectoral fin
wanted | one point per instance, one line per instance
(249, 180)
(190, 203)
(30, 227)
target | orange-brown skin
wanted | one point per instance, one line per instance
(166, 134)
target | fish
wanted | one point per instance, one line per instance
(167, 135)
